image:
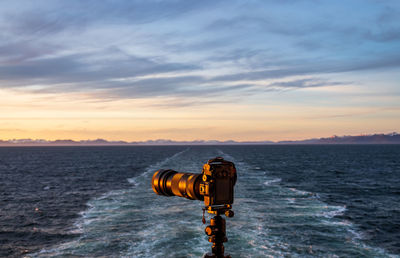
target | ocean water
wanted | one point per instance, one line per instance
(290, 201)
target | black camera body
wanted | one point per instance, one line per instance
(214, 185)
(219, 178)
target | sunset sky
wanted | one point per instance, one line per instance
(187, 70)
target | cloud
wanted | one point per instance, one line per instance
(17, 52)
(386, 35)
(305, 83)
(82, 68)
(259, 24)
(43, 18)
(177, 87)
(324, 67)
(164, 86)
(115, 74)
(181, 48)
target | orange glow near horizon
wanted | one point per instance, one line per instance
(75, 117)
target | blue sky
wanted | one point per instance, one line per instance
(256, 69)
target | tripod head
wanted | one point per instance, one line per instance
(216, 231)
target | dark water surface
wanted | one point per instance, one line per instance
(43, 189)
(291, 201)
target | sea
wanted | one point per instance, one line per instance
(290, 201)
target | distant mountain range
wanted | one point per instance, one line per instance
(392, 138)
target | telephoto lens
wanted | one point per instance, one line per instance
(169, 183)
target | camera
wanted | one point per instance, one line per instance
(214, 185)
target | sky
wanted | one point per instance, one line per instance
(188, 70)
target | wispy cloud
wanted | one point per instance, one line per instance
(306, 83)
(83, 68)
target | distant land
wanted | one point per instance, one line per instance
(391, 138)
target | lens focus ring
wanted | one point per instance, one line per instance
(159, 182)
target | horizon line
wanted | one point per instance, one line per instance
(101, 141)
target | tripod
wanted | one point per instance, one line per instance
(216, 231)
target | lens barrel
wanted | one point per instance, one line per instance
(169, 183)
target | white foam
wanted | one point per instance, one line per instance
(291, 200)
(300, 192)
(345, 223)
(333, 211)
(154, 167)
(133, 181)
(272, 181)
